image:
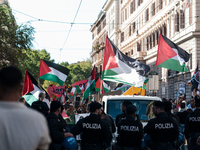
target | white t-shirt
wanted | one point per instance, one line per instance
(22, 128)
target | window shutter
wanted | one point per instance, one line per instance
(177, 22)
(133, 27)
(133, 5)
(130, 30)
(147, 43)
(138, 2)
(182, 19)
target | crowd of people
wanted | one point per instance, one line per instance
(40, 127)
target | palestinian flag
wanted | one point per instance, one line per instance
(195, 79)
(90, 84)
(53, 72)
(78, 90)
(32, 89)
(71, 90)
(171, 56)
(106, 87)
(118, 67)
(98, 85)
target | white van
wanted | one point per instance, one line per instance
(113, 105)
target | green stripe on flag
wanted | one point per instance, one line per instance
(30, 98)
(53, 78)
(173, 65)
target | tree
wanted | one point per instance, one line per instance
(78, 71)
(31, 61)
(13, 38)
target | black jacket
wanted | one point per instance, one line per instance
(192, 123)
(182, 116)
(93, 129)
(57, 130)
(123, 116)
(162, 129)
(130, 132)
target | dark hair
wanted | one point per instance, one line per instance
(127, 103)
(182, 105)
(164, 99)
(168, 105)
(159, 104)
(21, 99)
(10, 78)
(55, 105)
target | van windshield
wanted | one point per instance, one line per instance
(114, 108)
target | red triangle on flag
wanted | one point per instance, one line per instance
(98, 83)
(164, 51)
(44, 68)
(93, 74)
(109, 60)
(28, 85)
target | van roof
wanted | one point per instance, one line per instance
(128, 97)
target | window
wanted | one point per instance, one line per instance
(138, 3)
(176, 21)
(182, 19)
(147, 14)
(165, 30)
(150, 36)
(112, 25)
(131, 7)
(99, 29)
(122, 36)
(121, 1)
(125, 14)
(153, 8)
(130, 30)
(190, 14)
(92, 35)
(133, 27)
(190, 61)
(132, 52)
(160, 4)
(153, 39)
(147, 42)
(138, 47)
(104, 23)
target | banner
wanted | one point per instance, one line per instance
(56, 90)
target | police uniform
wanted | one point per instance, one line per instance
(95, 133)
(192, 127)
(130, 132)
(163, 131)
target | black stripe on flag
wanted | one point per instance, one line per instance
(38, 85)
(181, 52)
(141, 68)
(60, 68)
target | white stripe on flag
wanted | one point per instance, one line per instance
(59, 74)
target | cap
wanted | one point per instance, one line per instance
(126, 103)
(94, 106)
(131, 109)
(168, 105)
(55, 105)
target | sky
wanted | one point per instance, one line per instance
(52, 31)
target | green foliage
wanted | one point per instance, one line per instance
(31, 61)
(13, 38)
(78, 71)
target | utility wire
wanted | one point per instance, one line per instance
(70, 27)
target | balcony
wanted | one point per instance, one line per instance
(139, 55)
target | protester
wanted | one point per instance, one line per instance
(22, 100)
(57, 127)
(21, 128)
(71, 120)
(41, 106)
(192, 104)
(110, 121)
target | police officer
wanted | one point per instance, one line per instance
(122, 116)
(192, 126)
(96, 134)
(130, 131)
(163, 129)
